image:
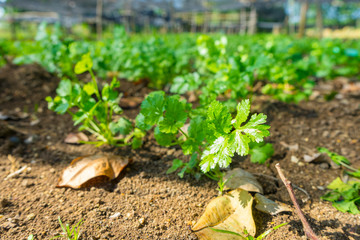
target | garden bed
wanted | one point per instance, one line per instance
(145, 202)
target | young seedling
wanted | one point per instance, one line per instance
(95, 110)
(212, 137)
(344, 196)
(69, 234)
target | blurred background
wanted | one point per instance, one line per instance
(95, 18)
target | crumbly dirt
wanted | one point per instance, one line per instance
(146, 202)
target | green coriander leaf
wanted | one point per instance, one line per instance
(136, 143)
(243, 110)
(338, 159)
(219, 119)
(152, 107)
(339, 185)
(183, 84)
(122, 126)
(85, 64)
(114, 83)
(239, 143)
(189, 146)
(140, 122)
(175, 115)
(177, 163)
(354, 174)
(197, 129)
(64, 88)
(347, 206)
(62, 107)
(89, 88)
(259, 153)
(164, 139)
(254, 130)
(219, 153)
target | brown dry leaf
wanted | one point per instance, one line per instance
(75, 138)
(266, 205)
(130, 102)
(238, 178)
(90, 170)
(231, 212)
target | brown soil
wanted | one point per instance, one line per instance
(150, 204)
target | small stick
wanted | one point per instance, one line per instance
(308, 230)
(16, 173)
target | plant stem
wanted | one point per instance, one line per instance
(308, 230)
(183, 133)
(348, 167)
(95, 84)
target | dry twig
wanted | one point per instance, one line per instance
(308, 230)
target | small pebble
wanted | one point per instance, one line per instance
(31, 216)
(115, 215)
(52, 170)
(294, 159)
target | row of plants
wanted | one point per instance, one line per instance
(232, 67)
(212, 68)
(212, 135)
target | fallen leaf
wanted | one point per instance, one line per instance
(266, 205)
(239, 178)
(76, 138)
(293, 147)
(320, 158)
(90, 170)
(226, 217)
(130, 102)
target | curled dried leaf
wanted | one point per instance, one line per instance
(266, 205)
(239, 178)
(226, 217)
(89, 170)
(76, 138)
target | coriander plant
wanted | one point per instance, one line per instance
(97, 112)
(212, 137)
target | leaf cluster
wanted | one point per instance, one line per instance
(97, 112)
(212, 136)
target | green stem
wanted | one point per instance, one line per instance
(349, 167)
(183, 133)
(95, 84)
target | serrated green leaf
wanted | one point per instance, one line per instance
(64, 88)
(259, 153)
(89, 88)
(108, 94)
(183, 84)
(177, 163)
(219, 119)
(136, 143)
(254, 130)
(239, 143)
(197, 129)
(85, 64)
(217, 154)
(62, 107)
(339, 185)
(122, 126)
(175, 115)
(164, 139)
(338, 159)
(243, 110)
(140, 122)
(152, 107)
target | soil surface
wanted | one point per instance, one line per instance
(145, 202)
